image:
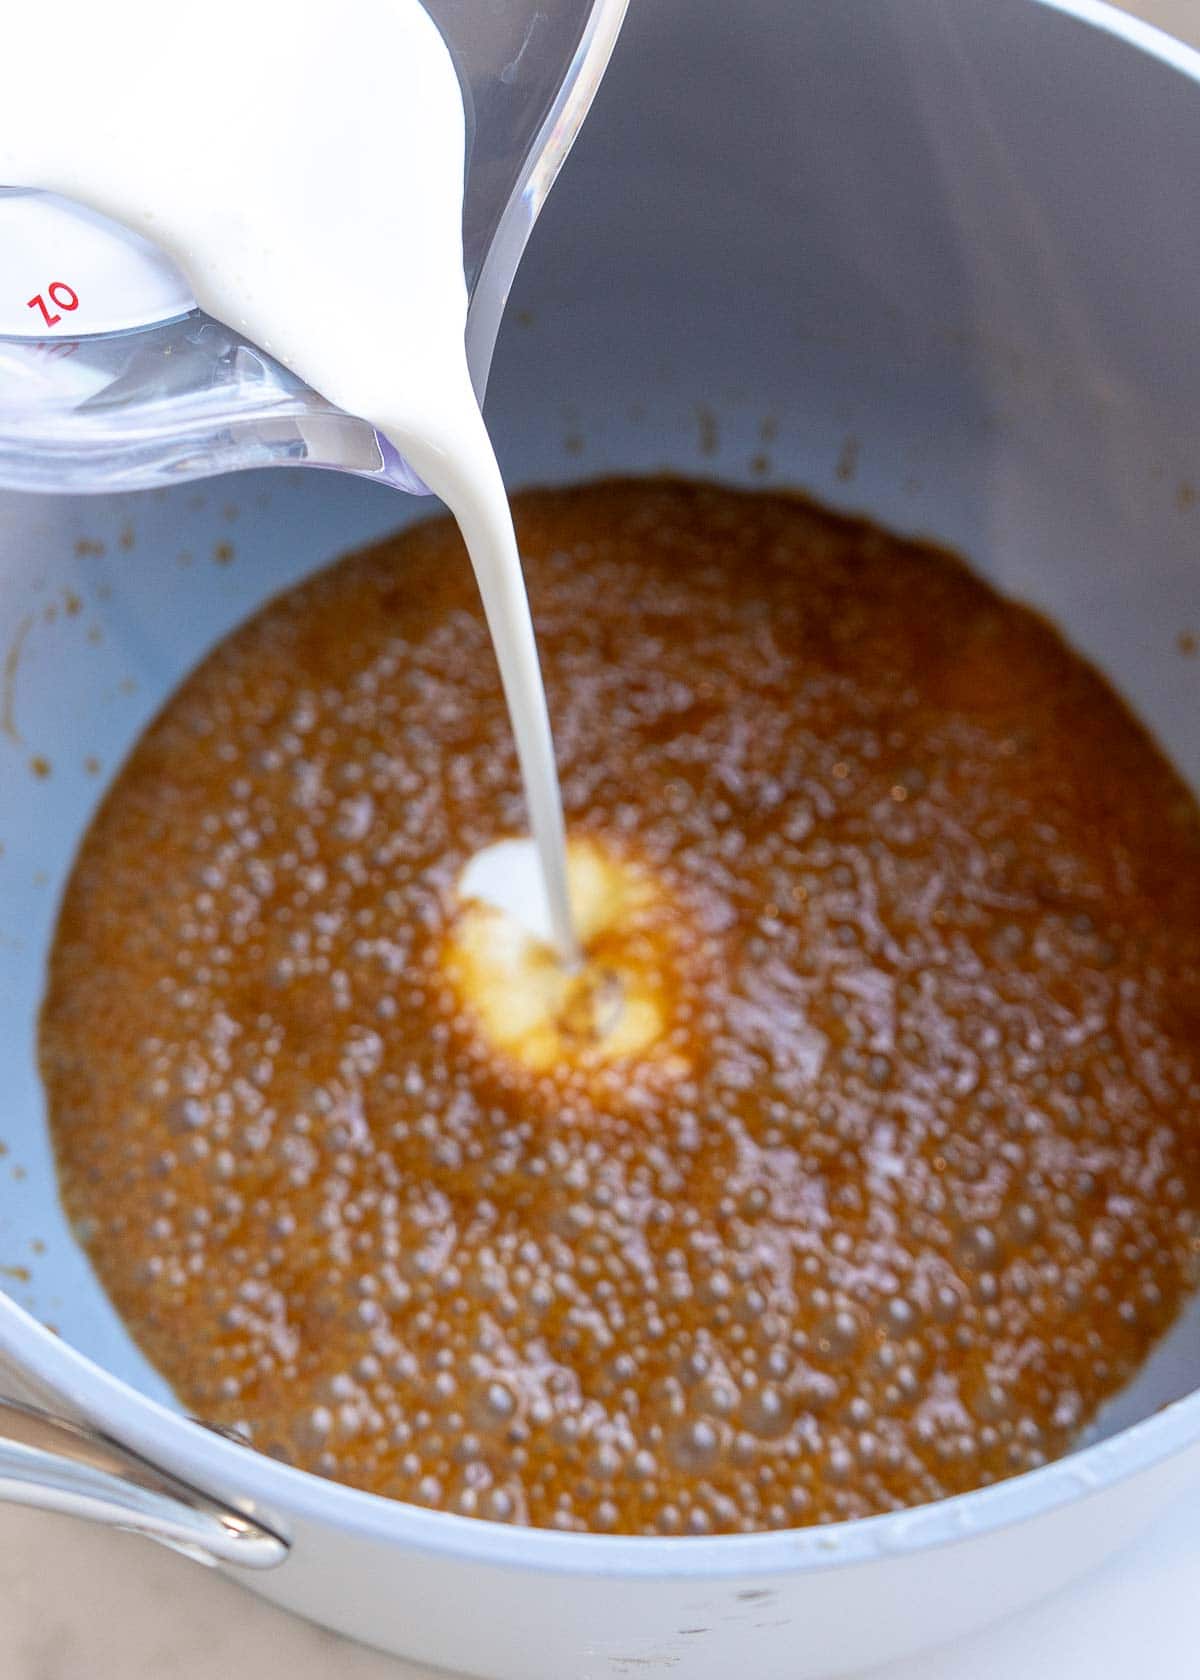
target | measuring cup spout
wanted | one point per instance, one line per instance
(112, 379)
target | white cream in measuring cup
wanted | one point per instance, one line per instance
(303, 164)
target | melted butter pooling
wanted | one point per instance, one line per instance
(614, 1005)
(910, 1182)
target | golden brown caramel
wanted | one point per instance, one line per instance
(903, 1184)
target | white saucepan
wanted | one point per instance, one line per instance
(938, 260)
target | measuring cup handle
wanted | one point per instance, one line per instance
(53, 1465)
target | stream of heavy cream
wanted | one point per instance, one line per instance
(304, 167)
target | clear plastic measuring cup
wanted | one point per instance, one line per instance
(112, 379)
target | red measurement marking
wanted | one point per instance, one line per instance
(61, 295)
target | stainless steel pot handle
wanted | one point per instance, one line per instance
(54, 1465)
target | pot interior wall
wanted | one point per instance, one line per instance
(936, 262)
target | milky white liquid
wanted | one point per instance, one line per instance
(303, 164)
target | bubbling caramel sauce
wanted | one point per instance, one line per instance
(901, 1185)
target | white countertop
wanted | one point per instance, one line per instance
(80, 1604)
